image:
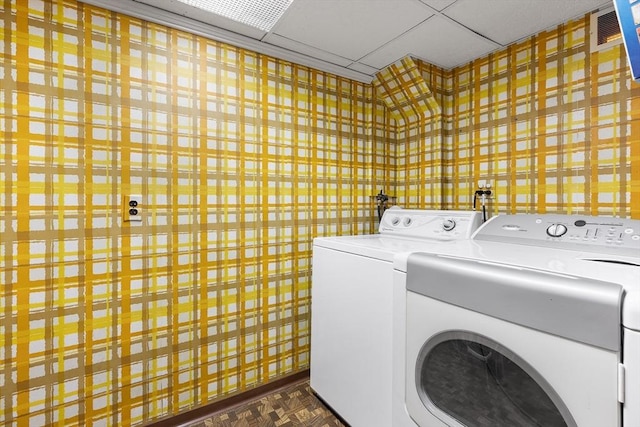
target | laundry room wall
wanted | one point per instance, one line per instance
(415, 112)
(553, 127)
(240, 159)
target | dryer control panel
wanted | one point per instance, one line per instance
(574, 232)
(430, 224)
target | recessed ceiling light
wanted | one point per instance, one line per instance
(262, 14)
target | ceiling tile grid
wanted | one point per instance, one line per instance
(358, 38)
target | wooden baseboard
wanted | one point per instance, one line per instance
(196, 414)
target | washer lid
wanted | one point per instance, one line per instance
(376, 246)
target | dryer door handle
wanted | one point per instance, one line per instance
(578, 308)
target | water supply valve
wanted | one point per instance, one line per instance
(383, 202)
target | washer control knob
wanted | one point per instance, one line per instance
(395, 220)
(556, 230)
(407, 221)
(448, 224)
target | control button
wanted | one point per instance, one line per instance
(538, 221)
(612, 229)
(618, 242)
(628, 231)
(448, 224)
(580, 223)
(636, 237)
(556, 230)
(407, 221)
(395, 220)
(609, 240)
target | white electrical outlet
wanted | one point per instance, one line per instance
(132, 208)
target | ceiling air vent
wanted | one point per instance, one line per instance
(605, 31)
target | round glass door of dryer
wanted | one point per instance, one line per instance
(468, 380)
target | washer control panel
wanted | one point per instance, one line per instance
(588, 233)
(441, 225)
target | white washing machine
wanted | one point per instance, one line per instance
(352, 298)
(533, 322)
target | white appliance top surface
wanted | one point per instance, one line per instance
(407, 230)
(603, 262)
(378, 246)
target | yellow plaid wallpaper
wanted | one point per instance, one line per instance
(554, 128)
(242, 159)
(418, 132)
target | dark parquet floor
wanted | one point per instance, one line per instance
(292, 406)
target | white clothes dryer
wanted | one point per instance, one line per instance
(352, 307)
(533, 322)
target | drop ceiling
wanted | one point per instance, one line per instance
(358, 38)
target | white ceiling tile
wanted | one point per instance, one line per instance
(295, 46)
(349, 28)
(356, 38)
(506, 21)
(438, 4)
(437, 41)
